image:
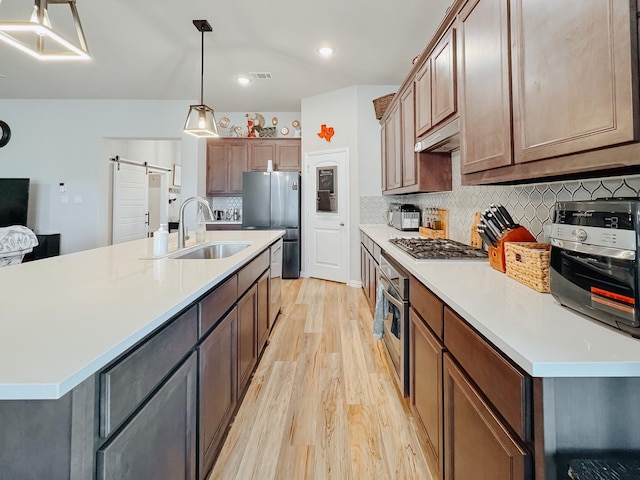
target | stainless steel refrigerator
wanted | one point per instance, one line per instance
(271, 201)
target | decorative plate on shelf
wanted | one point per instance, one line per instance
(224, 122)
(238, 131)
(259, 120)
(274, 121)
(284, 131)
(295, 124)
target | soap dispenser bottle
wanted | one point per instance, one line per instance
(161, 241)
(201, 227)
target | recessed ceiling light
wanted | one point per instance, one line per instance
(242, 80)
(326, 51)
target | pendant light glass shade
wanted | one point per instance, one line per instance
(201, 121)
(37, 37)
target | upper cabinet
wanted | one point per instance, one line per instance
(572, 86)
(484, 85)
(548, 102)
(283, 152)
(226, 160)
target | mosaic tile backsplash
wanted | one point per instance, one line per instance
(530, 205)
(225, 203)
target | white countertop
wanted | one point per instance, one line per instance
(544, 338)
(64, 318)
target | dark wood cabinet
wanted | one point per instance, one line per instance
(423, 98)
(555, 104)
(443, 79)
(408, 138)
(285, 154)
(217, 358)
(263, 311)
(572, 86)
(485, 105)
(247, 337)
(160, 440)
(404, 170)
(477, 444)
(425, 364)
(226, 160)
(369, 268)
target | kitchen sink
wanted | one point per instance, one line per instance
(210, 251)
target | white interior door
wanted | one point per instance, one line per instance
(327, 203)
(158, 199)
(130, 202)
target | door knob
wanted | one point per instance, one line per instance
(342, 224)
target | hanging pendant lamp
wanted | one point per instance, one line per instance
(200, 121)
(37, 38)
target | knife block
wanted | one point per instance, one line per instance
(496, 254)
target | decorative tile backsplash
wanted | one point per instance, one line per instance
(530, 205)
(224, 203)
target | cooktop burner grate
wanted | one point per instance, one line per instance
(438, 249)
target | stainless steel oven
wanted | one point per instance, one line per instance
(395, 282)
(594, 265)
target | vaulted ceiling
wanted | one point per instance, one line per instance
(149, 49)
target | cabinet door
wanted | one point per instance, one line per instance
(477, 444)
(408, 137)
(237, 162)
(217, 356)
(260, 151)
(573, 85)
(425, 367)
(373, 281)
(216, 168)
(383, 154)
(263, 311)
(423, 98)
(247, 338)
(443, 79)
(393, 149)
(485, 107)
(364, 265)
(288, 156)
(160, 440)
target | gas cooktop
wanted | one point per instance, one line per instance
(438, 249)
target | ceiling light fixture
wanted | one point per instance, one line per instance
(200, 120)
(326, 51)
(244, 81)
(38, 39)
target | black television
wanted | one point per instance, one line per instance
(14, 201)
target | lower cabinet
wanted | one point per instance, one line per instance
(477, 444)
(425, 363)
(369, 252)
(159, 442)
(247, 337)
(217, 360)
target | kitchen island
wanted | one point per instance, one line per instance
(546, 383)
(101, 350)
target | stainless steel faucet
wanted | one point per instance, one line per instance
(181, 227)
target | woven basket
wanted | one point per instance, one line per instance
(528, 263)
(381, 104)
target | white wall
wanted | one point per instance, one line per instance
(57, 141)
(350, 112)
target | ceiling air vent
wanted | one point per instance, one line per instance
(260, 75)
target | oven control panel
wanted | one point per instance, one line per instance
(603, 237)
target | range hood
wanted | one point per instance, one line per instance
(444, 139)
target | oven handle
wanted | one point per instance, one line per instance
(594, 250)
(392, 300)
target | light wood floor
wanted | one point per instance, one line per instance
(322, 403)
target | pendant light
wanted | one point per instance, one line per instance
(38, 38)
(200, 121)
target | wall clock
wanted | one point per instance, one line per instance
(5, 133)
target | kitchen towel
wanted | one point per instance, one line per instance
(379, 312)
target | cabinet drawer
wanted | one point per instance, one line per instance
(214, 305)
(249, 274)
(428, 306)
(128, 382)
(507, 388)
